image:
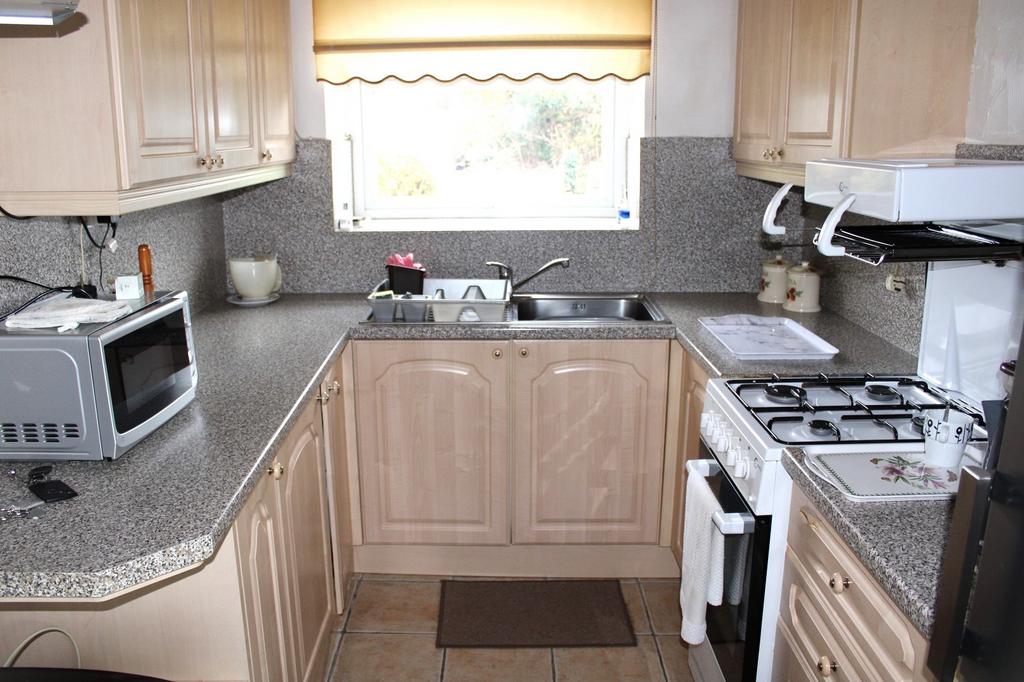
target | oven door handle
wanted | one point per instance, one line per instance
(728, 523)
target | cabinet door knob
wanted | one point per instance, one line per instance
(220, 161)
(524, 352)
(204, 161)
(764, 154)
(839, 583)
(778, 152)
(267, 156)
(826, 666)
(497, 352)
(276, 471)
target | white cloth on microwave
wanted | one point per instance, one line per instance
(67, 312)
(702, 581)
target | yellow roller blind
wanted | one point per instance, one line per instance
(408, 39)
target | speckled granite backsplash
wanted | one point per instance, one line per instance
(187, 241)
(699, 231)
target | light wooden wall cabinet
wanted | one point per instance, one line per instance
(139, 103)
(836, 622)
(582, 440)
(262, 609)
(849, 78)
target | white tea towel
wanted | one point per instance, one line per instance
(735, 568)
(701, 582)
(67, 312)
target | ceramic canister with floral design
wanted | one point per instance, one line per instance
(772, 288)
(802, 288)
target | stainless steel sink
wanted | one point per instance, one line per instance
(586, 308)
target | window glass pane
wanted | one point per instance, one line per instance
(494, 145)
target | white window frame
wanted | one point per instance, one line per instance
(631, 120)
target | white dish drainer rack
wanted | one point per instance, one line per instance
(446, 300)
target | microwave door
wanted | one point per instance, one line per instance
(149, 370)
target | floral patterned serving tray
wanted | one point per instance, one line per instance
(885, 476)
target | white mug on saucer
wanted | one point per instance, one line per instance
(946, 439)
(255, 277)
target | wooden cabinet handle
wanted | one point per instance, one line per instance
(826, 666)
(276, 471)
(524, 352)
(497, 352)
(839, 583)
(808, 519)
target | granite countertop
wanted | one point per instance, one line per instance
(166, 504)
(901, 543)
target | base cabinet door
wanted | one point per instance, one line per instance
(302, 492)
(433, 441)
(264, 585)
(589, 433)
(694, 392)
(284, 556)
(335, 410)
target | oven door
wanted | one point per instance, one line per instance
(147, 372)
(730, 651)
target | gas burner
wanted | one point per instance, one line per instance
(785, 394)
(882, 392)
(822, 427)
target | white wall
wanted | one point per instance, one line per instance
(995, 113)
(694, 68)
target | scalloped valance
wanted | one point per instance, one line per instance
(372, 40)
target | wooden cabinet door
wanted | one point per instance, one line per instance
(433, 441)
(759, 56)
(818, 55)
(694, 385)
(229, 55)
(588, 440)
(302, 495)
(334, 410)
(264, 583)
(273, 31)
(164, 118)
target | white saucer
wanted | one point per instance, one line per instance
(252, 302)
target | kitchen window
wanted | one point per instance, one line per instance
(493, 155)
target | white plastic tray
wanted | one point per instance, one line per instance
(752, 337)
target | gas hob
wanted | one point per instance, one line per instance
(860, 410)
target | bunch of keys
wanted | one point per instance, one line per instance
(43, 490)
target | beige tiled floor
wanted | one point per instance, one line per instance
(389, 631)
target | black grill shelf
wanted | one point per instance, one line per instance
(922, 242)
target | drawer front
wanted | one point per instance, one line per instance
(823, 649)
(889, 641)
(790, 663)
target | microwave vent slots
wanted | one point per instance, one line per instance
(47, 432)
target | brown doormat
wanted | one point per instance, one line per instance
(533, 613)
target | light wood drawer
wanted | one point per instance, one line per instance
(818, 643)
(888, 641)
(790, 663)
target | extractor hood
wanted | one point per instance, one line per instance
(36, 12)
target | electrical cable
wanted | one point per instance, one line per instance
(16, 217)
(102, 284)
(85, 226)
(13, 658)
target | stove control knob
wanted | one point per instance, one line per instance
(742, 468)
(724, 440)
(731, 456)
